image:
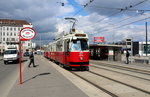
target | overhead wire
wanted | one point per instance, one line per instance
(118, 22)
(84, 6)
(125, 25)
(121, 9)
(127, 8)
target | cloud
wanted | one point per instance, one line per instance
(113, 29)
(108, 7)
(44, 15)
(103, 20)
(47, 17)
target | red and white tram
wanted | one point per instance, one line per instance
(70, 50)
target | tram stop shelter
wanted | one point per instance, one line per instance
(105, 52)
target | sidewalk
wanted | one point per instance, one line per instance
(44, 81)
(145, 67)
(1, 58)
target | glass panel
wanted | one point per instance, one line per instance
(78, 45)
(75, 46)
(84, 45)
(148, 49)
(10, 52)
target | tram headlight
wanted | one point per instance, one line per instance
(81, 58)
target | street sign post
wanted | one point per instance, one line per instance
(25, 34)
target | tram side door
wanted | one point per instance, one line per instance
(66, 52)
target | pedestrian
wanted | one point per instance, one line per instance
(127, 56)
(31, 56)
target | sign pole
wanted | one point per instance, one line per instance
(20, 59)
(26, 33)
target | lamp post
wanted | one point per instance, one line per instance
(146, 38)
(40, 43)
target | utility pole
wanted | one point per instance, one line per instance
(40, 43)
(146, 38)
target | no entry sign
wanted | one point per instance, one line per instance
(27, 34)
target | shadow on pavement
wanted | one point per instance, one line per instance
(32, 66)
(41, 74)
(11, 63)
(24, 61)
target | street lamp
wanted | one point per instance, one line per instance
(62, 4)
(142, 13)
(146, 38)
(40, 42)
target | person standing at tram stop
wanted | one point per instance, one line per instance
(31, 56)
(127, 56)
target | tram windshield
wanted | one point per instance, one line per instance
(78, 45)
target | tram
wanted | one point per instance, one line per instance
(70, 50)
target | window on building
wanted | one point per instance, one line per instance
(148, 48)
(7, 28)
(10, 29)
(14, 34)
(3, 39)
(14, 29)
(13, 39)
(3, 28)
(17, 39)
(7, 34)
(7, 39)
(3, 33)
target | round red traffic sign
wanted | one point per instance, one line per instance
(27, 33)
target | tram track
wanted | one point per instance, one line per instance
(116, 83)
(123, 68)
(97, 86)
(111, 79)
(120, 72)
(147, 92)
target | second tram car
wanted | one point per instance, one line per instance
(70, 50)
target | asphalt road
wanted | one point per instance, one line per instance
(8, 75)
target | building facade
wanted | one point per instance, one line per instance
(138, 48)
(9, 33)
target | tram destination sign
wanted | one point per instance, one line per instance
(27, 33)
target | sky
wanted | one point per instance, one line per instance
(115, 20)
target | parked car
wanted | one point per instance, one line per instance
(26, 54)
(11, 55)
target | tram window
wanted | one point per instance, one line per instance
(66, 45)
(74, 41)
(75, 46)
(78, 45)
(84, 45)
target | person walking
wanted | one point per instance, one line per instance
(31, 56)
(127, 56)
